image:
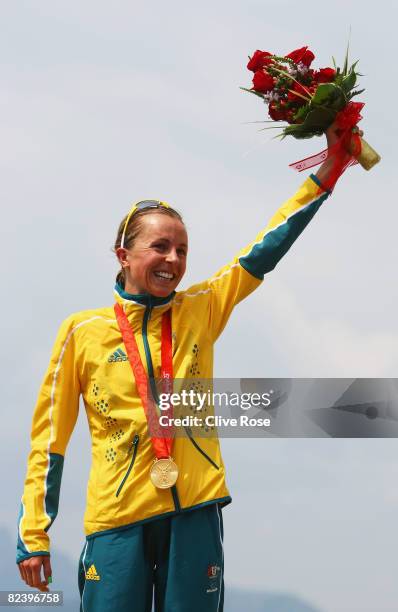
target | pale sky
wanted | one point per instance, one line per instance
(104, 104)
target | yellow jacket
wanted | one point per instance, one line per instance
(89, 359)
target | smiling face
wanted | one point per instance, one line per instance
(156, 262)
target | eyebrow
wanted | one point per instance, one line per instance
(167, 240)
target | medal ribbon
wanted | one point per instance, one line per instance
(161, 436)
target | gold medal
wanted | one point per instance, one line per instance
(164, 473)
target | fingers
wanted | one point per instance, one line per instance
(334, 135)
(30, 570)
(47, 569)
(37, 582)
(22, 571)
(29, 578)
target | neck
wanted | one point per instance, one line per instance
(132, 289)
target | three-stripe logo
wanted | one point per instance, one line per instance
(118, 355)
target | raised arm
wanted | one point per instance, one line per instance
(232, 283)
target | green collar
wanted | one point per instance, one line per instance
(145, 299)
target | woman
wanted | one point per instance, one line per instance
(146, 526)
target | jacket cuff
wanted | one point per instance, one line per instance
(22, 557)
(320, 185)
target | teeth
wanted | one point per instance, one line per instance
(166, 275)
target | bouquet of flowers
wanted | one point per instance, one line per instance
(310, 101)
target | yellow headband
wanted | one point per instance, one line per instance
(142, 205)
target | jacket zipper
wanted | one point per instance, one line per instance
(147, 316)
(196, 445)
(134, 445)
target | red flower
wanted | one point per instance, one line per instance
(325, 75)
(277, 114)
(259, 60)
(307, 58)
(303, 55)
(262, 81)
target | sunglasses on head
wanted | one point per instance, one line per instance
(143, 205)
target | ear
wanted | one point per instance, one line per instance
(123, 257)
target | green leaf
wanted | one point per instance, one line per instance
(297, 132)
(325, 92)
(315, 124)
(275, 127)
(339, 103)
(354, 65)
(348, 82)
(319, 119)
(338, 78)
(329, 95)
(302, 112)
(345, 69)
(253, 91)
(355, 93)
